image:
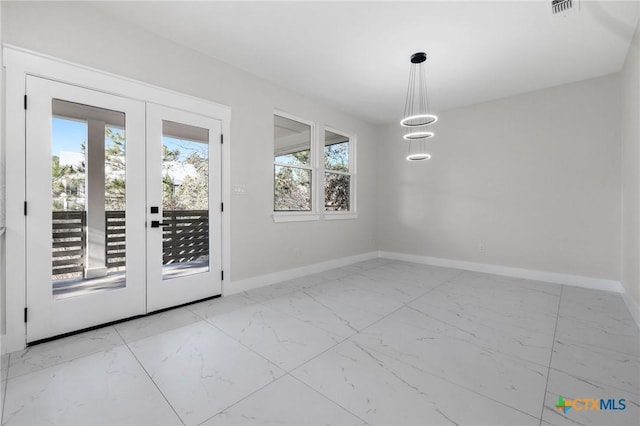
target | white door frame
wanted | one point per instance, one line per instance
(18, 64)
(163, 293)
(49, 316)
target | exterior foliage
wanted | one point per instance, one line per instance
(190, 192)
(337, 185)
(292, 185)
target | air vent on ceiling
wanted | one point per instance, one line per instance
(563, 6)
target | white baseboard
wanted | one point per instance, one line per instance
(289, 274)
(528, 274)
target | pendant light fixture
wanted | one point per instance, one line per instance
(416, 110)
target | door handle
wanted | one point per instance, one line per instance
(157, 224)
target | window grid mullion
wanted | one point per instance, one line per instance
(296, 166)
(338, 172)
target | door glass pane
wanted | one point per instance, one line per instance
(185, 200)
(88, 199)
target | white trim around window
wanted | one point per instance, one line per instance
(317, 168)
(311, 167)
(352, 213)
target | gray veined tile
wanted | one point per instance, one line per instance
(283, 288)
(570, 387)
(4, 366)
(285, 402)
(394, 289)
(524, 333)
(45, 355)
(479, 283)
(150, 325)
(107, 387)
(509, 296)
(458, 358)
(597, 318)
(341, 319)
(425, 276)
(282, 339)
(201, 371)
(218, 307)
(384, 391)
(518, 303)
(593, 300)
(472, 348)
(528, 345)
(342, 292)
(597, 364)
(331, 274)
(571, 330)
(3, 389)
(368, 264)
(598, 308)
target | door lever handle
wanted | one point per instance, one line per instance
(157, 224)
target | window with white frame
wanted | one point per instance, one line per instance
(338, 172)
(293, 160)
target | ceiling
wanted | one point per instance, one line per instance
(354, 56)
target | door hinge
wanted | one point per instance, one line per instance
(25, 101)
(221, 138)
(25, 208)
(25, 314)
(221, 207)
(222, 275)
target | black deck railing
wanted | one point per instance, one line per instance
(69, 242)
(115, 234)
(185, 238)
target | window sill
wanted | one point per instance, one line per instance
(295, 217)
(340, 216)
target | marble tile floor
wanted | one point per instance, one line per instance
(380, 342)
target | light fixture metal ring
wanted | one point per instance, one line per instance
(418, 157)
(425, 120)
(414, 136)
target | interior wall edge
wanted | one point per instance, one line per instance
(630, 171)
(632, 306)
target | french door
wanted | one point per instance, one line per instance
(119, 208)
(184, 207)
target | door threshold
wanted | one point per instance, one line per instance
(95, 327)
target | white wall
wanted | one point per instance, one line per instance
(630, 134)
(535, 178)
(75, 32)
(2, 198)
